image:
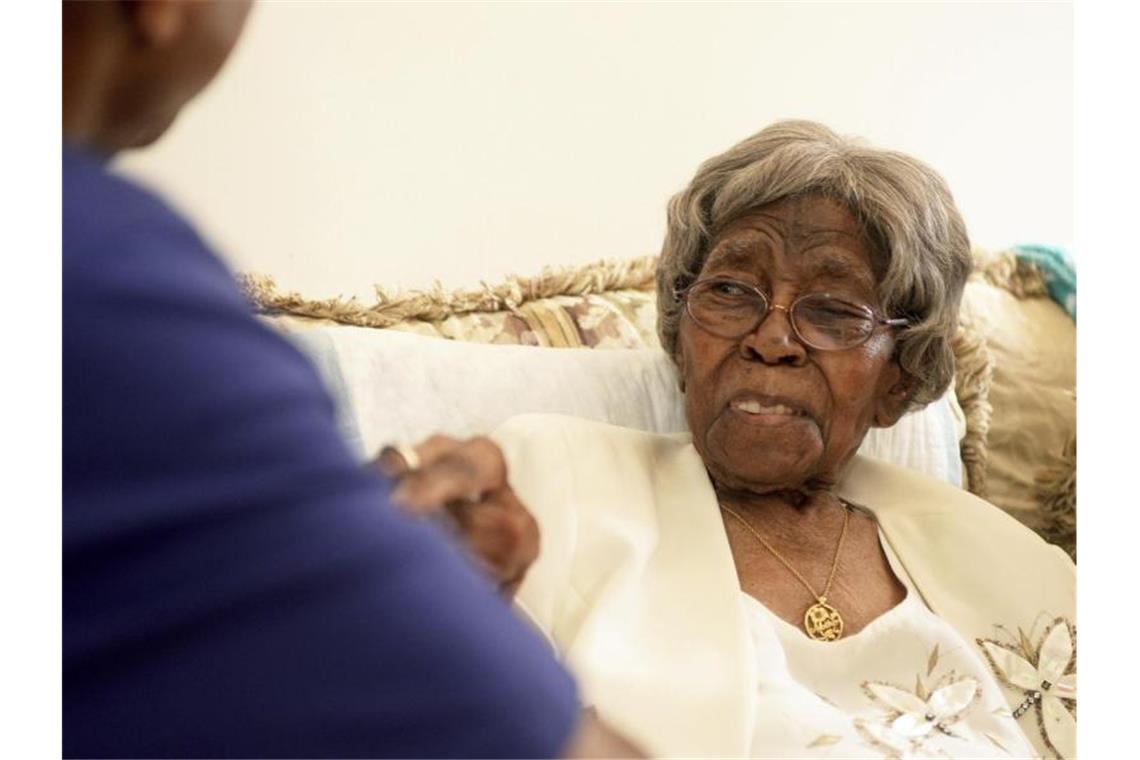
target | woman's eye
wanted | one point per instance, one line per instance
(729, 289)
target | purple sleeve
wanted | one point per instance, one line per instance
(233, 583)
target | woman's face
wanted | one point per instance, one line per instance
(767, 412)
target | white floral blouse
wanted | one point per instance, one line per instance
(906, 686)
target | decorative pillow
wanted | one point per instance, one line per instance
(391, 386)
(1031, 438)
(602, 305)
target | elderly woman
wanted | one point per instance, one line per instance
(756, 587)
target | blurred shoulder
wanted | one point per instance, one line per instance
(108, 214)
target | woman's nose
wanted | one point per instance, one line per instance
(774, 341)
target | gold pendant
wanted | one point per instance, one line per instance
(822, 621)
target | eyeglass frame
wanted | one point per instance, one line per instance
(877, 317)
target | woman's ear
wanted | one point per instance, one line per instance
(893, 403)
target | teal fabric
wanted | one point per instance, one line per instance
(1056, 266)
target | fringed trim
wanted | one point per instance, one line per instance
(975, 364)
(973, 376)
(1005, 270)
(1002, 270)
(1056, 492)
(438, 304)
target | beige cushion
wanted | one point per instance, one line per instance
(1032, 395)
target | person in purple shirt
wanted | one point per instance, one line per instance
(234, 583)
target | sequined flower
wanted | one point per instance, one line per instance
(912, 716)
(1047, 675)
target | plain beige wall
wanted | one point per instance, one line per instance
(352, 143)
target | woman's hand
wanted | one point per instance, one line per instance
(465, 482)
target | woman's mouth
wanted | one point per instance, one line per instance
(755, 407)
(767, 412)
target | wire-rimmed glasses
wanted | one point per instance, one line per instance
(730, 308)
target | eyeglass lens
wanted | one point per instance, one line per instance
(732, 310)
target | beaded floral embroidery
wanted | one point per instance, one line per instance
(1047, 675)
(913, 716)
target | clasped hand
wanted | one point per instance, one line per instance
(464, 482)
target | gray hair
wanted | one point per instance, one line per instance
(904, 207)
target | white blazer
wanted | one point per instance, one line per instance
(636, 588)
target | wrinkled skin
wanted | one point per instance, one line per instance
(465, 484)
(788, 249)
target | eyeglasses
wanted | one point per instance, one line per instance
(731, 309)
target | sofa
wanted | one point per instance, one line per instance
(582, 341)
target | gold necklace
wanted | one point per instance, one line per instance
(821, 620)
